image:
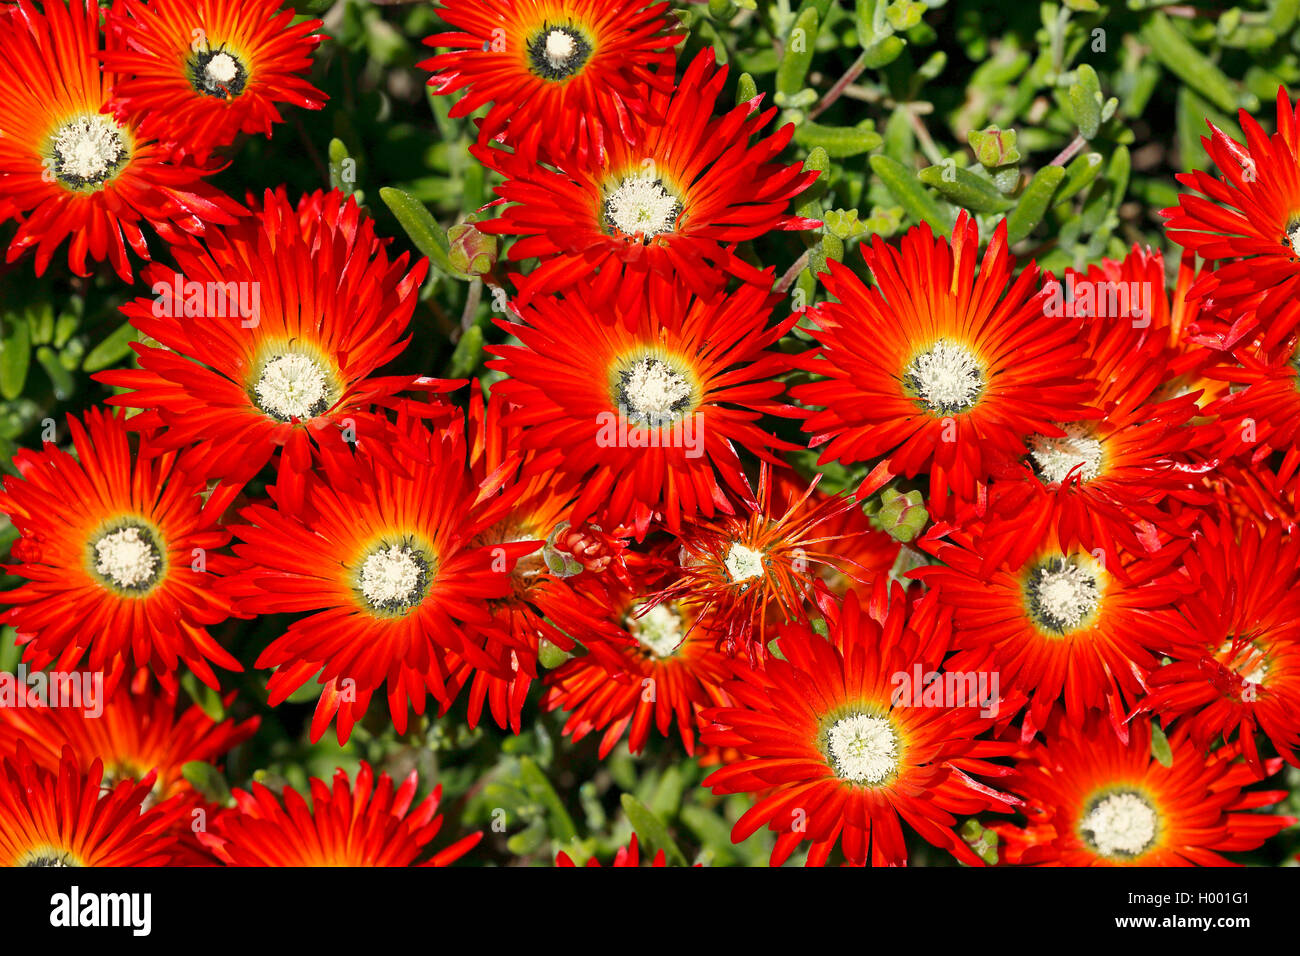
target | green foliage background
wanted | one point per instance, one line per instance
(1115, 94)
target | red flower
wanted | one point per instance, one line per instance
(1054, 619)
(1250, 217)
(1093, 800)
(363, 824)
(673, 199)
(200, 72)
(643, 418)
(646, 664)
(67, 817)
(564, 77)
(135, 734)
(382, 556)
(524, 504)
(68, 170)
(268, 339)
(938, 369)
(1111, 481)
(773, 561)
(1236, 666)
(838, 756)
(1261, 414)
(122, 570)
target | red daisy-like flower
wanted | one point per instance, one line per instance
(1249, 217)
(64, 817)
(1260, 411)
(202, 71)
(1111, 480)
(774, 560)
(673, 200)
(383, 556)
(134, 733)
(1056, 620)
(68, 170)
(564, 77)
(369, 823)
(523, 504)
(1237, 668)
(938, 369)
(647, 664)
(118, 556)
(644, 418)
(268, 339)
(839, 755)
(1093, 800)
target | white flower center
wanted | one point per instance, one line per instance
(744, 563)
(1121, 824)
(1062, 595)
(863, 749)
(659, 629)
(642, 206)
(947, 377)
(393, 578)
(653, 391)
(48, 856)
(88, 149)
(221, 69)
(1057, 457)
(1250, 656)
(126, 557)
(292, 386)
(559, 48)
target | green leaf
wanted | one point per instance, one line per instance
(1033, 203)
(420, 226)
(1117, 173)
(1083, 169)
(1187, 63)
(799, 48)
(343, 168)
(65, 386)
(883, 52)
(550, 656)
(965, 188)
(468, 354)
(540, 789)
(911, 195)
(208, 699)
(838, 141)
(746, 89)
(15, 356)
(115, 347)
(207, 780)
(869, 22)
(651, 830)
(527, 841)
(1160, 748)
(1086, 101)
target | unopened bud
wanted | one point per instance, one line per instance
(902, 515)
(994, 147)
(472, 253)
